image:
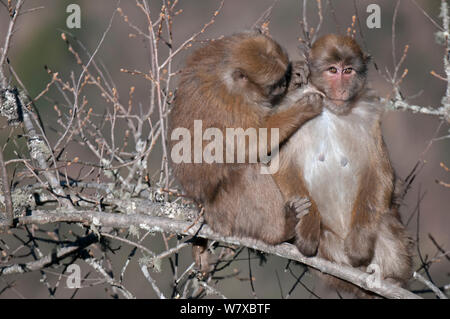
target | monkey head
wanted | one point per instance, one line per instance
(338, 68)
(257, 68)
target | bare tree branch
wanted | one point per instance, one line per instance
(161, 224)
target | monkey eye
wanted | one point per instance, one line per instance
(332, 70)
(347, 70)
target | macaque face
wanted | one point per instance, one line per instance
(339, 80)
(338, 69)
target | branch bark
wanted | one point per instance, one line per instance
(49, 259)
(9, 34)
(163, 224)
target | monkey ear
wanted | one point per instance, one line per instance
(239, 75)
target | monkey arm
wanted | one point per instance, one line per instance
(307, 221)
(288, 119)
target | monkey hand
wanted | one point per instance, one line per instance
(307, 229)
(299, 206)
(359, 246)
(299, 76)
(313, 102)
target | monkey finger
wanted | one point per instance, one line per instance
(302, 202)
(297, 200)
(300, 208)
(302, 213)
(300, 205)
(314, 100)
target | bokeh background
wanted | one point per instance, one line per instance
(37, 43)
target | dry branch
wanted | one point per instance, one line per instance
(167, 225)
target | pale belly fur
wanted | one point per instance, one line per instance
(331, 151)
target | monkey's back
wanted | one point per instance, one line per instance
(226, 85)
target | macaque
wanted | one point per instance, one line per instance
(339, 161)
(239, 81)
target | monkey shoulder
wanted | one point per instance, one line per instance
(369, 107)
(371, 96)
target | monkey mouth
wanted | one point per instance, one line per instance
(338, 101)
(340, 97)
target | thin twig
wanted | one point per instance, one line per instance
(7, 42)
(430, 285)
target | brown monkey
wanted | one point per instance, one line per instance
(239, 81)
(340, 162)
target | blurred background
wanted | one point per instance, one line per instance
(37, 43)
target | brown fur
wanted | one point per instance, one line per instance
(239, 81)
(339, 160)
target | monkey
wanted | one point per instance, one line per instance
(340, 162)
(240, 81)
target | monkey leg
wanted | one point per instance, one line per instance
(307, 227)
(332, 249)
(393, 250)
(250, 205)
(307, 232)
(359, 244)
(372, 202)
(392, 260)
